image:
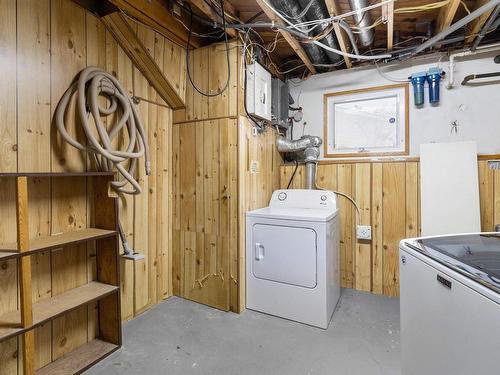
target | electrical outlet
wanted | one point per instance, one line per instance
(364, 232)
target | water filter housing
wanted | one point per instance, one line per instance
(433, 78)
(418, 82)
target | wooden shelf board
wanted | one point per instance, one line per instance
(50, 308)
(57, 174)
(53, 242)
(80, 359)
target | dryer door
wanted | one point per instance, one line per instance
(285, 254)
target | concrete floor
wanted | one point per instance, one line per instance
(182, 337)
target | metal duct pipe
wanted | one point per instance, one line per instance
(363, 19)
(292, 8)
(318, 10)
(307, 141)
(311, 175)
(307, 149)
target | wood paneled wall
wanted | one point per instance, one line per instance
(205, 210)
(209, 72)
(220, 170)
(214, 182)
(388, 195)
(43, 45)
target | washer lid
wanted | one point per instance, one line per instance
(298, 214)
(476, 256)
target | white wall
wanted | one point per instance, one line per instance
(477, 109)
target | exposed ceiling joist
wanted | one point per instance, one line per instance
(294, 43)
(207, 10)
(388, 15)
(333, 9)
(118, 26)
(478, 23)
(154, 14)
(446, 15)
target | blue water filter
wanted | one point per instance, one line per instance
(418, 82)
(433, 79)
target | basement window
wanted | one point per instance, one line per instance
(367, 122)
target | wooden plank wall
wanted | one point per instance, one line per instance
(43, 45)
(201, 164)
(388, 194)
(208, 69)
(205, 216)
(220, 170)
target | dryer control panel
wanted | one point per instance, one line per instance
(301, 198)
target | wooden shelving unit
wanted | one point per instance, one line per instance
(54, 242)
(105, 290)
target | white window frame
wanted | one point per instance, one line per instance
(401, 91)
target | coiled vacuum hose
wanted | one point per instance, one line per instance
(91, 84)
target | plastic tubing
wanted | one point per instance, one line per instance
(91, 84)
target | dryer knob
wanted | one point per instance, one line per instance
(282, 196)
(323, 198)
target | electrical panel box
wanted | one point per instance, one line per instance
(258, 91)
(279, 105)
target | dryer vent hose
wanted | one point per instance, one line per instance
(100, 96)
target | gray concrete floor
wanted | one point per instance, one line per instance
(182, 337)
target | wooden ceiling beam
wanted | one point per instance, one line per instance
(154, 14)
(446, 15)
(478, 23)
(118, 26)
(205, 8)
(333, 9)
(388, 15)
(294, 43)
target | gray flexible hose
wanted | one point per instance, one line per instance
(348, 30)
(90, 84)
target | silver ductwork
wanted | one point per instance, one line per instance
(311, 176)
(318, 10)
(293, 9)
(363, 20)
(306, 149)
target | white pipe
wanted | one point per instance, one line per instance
(453, 56)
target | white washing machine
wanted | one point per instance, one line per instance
(450, 304)
(292, 256)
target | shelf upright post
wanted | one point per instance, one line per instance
(26, 303)
(108, 266)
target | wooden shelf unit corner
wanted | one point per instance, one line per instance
(105, 290)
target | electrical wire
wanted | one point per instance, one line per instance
(348, 197)
(318, 43)
(212, 34)
(389, 78)
(226, 85)
(336, 17)
(293, 174)
(306, 37)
